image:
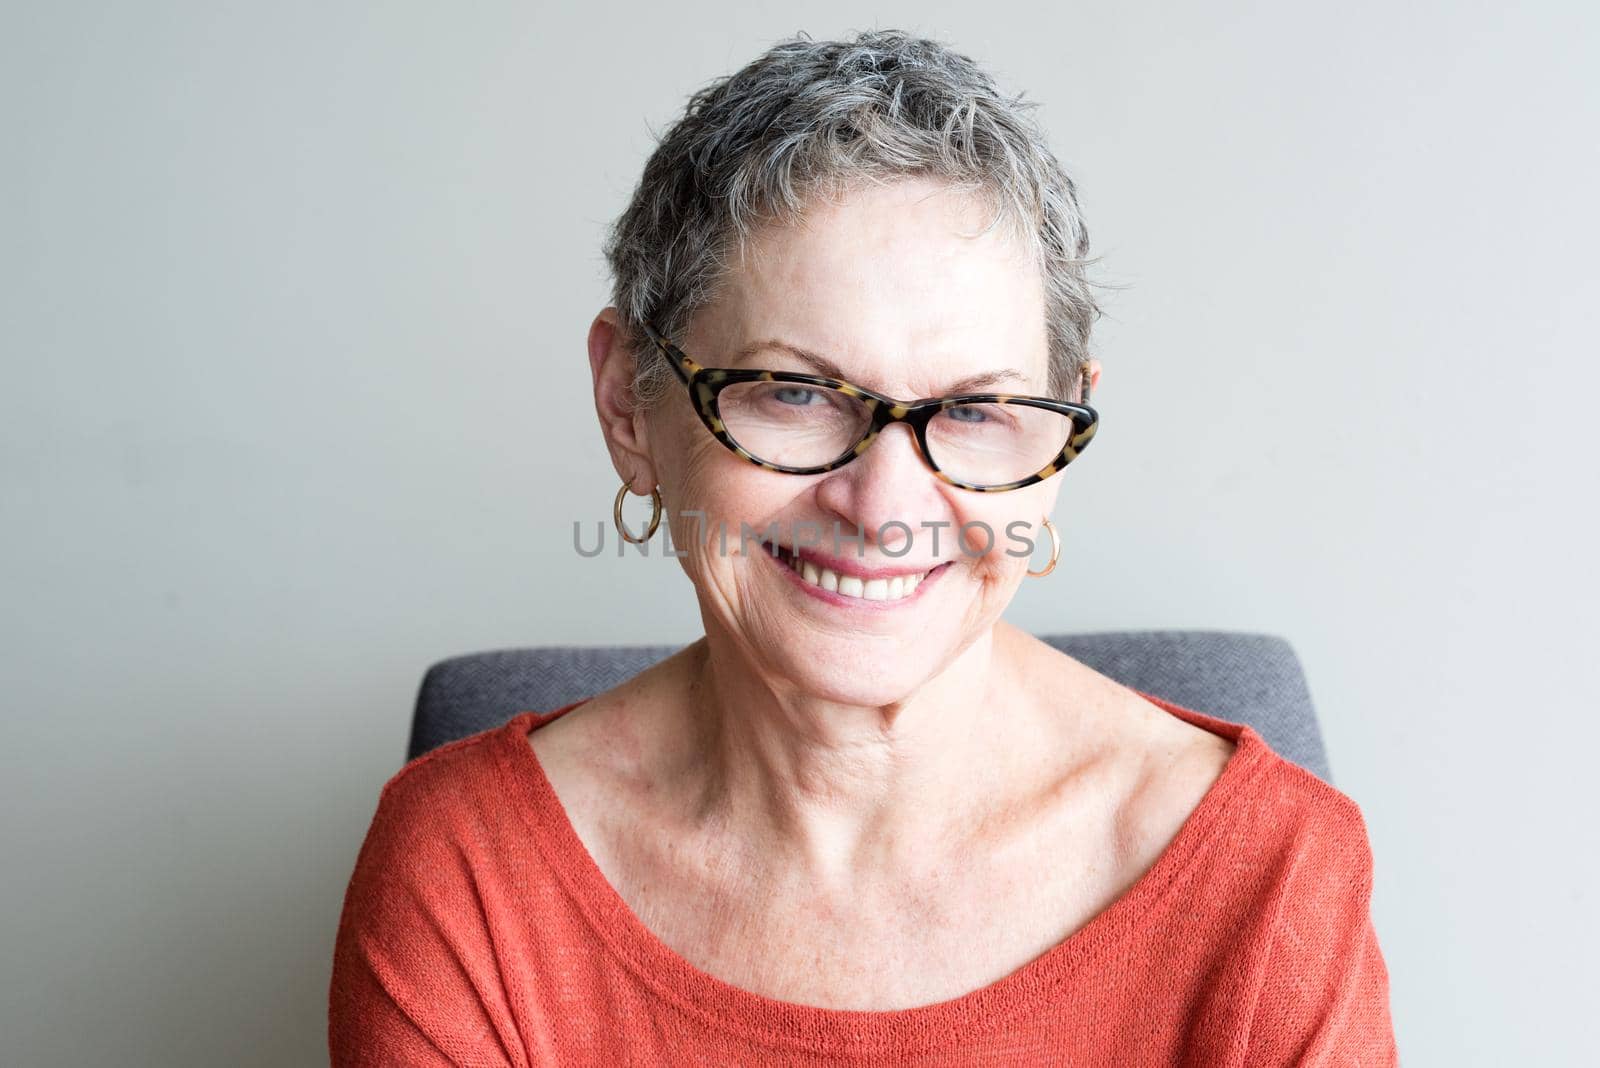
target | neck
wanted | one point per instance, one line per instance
(837, 788)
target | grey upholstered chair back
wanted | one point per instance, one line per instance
(1246, 678)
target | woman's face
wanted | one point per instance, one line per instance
(885, 286)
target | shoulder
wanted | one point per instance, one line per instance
(439, 780)
(416, 967)
(1151, 769)
(1303, 837)
(1170, 764)
(1324, 984)
(1321, 829)
(425, 811)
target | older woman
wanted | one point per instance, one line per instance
(863, 819)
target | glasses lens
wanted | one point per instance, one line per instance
(989, 444)
(792, 424)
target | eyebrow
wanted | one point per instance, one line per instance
(828, 369)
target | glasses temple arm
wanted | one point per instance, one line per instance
(677, 359)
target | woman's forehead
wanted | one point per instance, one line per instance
(908, 243)
(891, 285)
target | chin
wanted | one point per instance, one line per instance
(858, 671)
(871, 695)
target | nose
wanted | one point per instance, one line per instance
(889, 483)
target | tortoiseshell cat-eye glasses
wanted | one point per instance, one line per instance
(804, 424)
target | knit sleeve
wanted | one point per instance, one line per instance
(1324, 1001)
(414, 975)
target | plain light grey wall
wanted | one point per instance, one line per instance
(295, 403)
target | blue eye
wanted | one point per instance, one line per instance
(966, 413)
(796, 395)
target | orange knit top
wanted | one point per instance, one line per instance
(477, 930)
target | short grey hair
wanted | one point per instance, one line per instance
(814, 117)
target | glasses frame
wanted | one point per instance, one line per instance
(706, 383)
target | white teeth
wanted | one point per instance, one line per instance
(891, 589)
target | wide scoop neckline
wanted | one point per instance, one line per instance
(795, 1025)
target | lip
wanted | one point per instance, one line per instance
(841, 565)
(857, 603)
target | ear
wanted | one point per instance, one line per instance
(626, 430)
(1094, 380)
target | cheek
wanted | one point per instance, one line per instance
(699, 474)
(994, 539)
(728, 494)
(694, 468)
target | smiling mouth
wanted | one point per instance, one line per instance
(897, 588)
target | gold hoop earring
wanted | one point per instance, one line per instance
(1055, 550)
(655, 515)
